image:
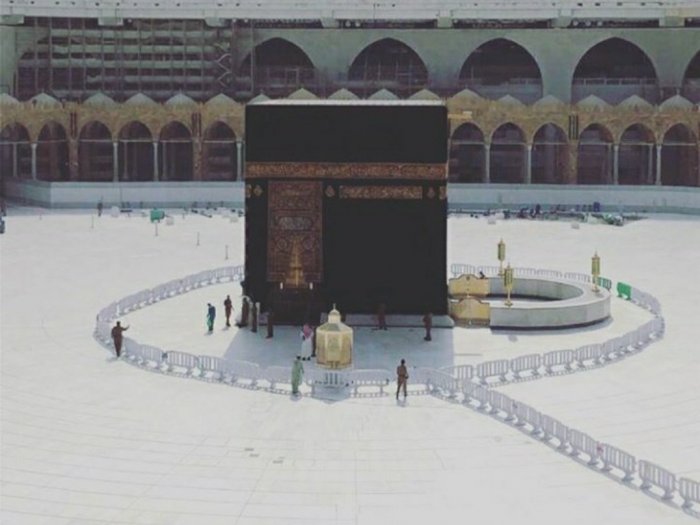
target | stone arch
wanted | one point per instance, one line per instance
(550, 155)
(52, 153)
(502, 67)
(679, 157)
(389, 64)
(219, 153)
(467, 154)
(15, 151)
(276, 67)
(636, 155)
(95, 153)
(508, 148)
(613, 70)
(594, 163)
(136, 146)
(176, 152)
(691, 80)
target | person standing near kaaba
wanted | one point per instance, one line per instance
(270, 324)
(211, 315)
(228, 308)
(381, 317)
(245, 312)
(428, 323)
(254, 322)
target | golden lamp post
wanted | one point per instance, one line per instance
(508, 283)
(595, 270)
(501, 256)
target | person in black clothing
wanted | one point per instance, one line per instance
(228, 308)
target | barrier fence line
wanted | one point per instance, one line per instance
(465, 380)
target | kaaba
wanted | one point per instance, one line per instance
(346, 204)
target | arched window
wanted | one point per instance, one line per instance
(594, 156)
(15, 151)
(549, 155)
(637, 156)
(508, 155)
(276, 67)
(679, 158)
(220, 156)
(135, 153)
(691, 80)
(176, 152)
(387, 64)
(95, 153)
(501, 67)
(467, 154)
(52, 153)
(614, 70)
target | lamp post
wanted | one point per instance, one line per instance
(595, 270)
(501, 256)
(508, 283)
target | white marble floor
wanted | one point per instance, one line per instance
(86, 439)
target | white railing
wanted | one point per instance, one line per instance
(690, 492)
(451, 381)
(652, 474)
(614, 457)
(553, 428)
(181, 360)
(498, 368)
(369, 378)
(583, 443)
(460, 372)
(562, 358)
(526, 363)
(526, 415)
(277, 375)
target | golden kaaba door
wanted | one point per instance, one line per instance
(294, 237)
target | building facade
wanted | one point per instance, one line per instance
(583, 93)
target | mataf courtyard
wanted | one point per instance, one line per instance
(87, 438)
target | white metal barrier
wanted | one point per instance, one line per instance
(553, 428)
(526, 363)
(184, 360)
(588, 353)
(215, 366)
(488, 369)
(500, 403)
(239, 371)
(460, 372)
(443, 382)
(652, 474)
(145, 355)
(690, 492)
(526, 415)
(276, 375)
(582, 442)
(614, 457)
(562, 358)
(369, 378)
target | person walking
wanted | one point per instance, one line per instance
(428, 323)
(99, 209)
(270, 324)
(401, 378)
(117, 337)
(228, 308)
(211, 315)
(297, 374)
